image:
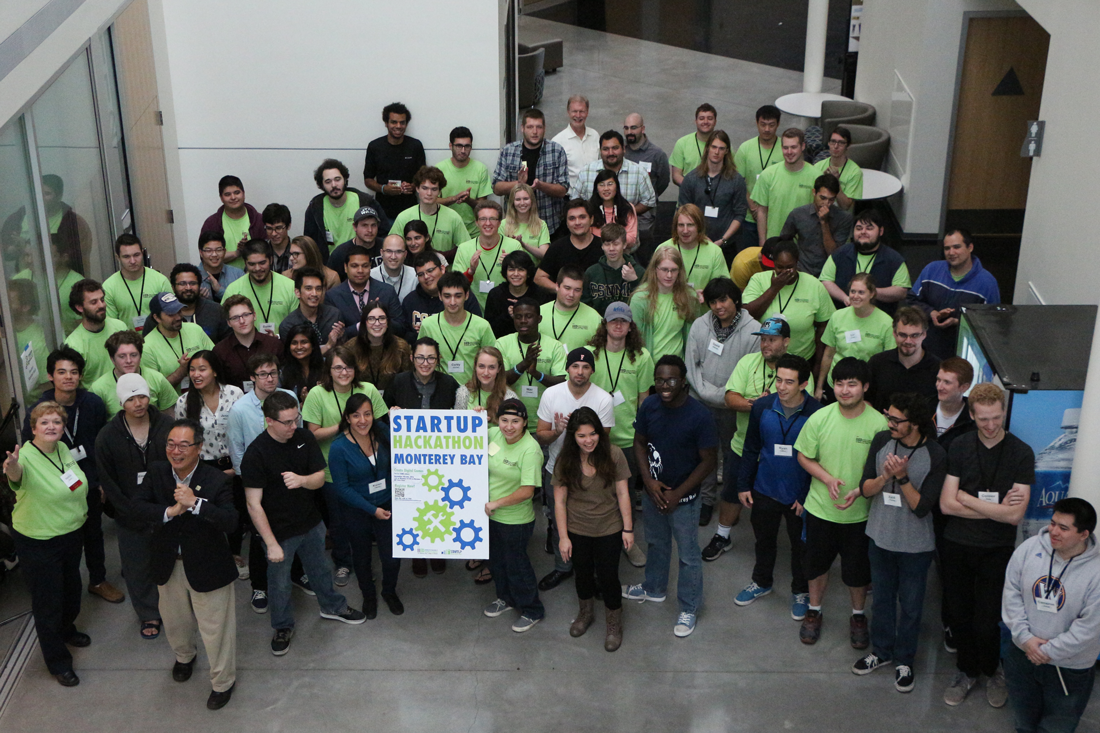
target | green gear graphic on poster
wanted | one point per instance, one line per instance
(434, 521)
(433, 480)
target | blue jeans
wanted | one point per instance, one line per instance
(560, 564)
(660, 529)
(513, 574)
(334, 520)
(1038, 700)
(310, 547)
(899, 582)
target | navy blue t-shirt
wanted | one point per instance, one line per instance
(674, 438)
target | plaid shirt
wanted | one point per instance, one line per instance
(634, 184)
(552, 168)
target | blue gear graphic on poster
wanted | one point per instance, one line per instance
(461, 502)
(470, 544)
(404, 541)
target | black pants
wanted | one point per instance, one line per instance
(92, 536)
(973, 582)
(362, 527)
(51, 569)
(766, 515)
(596, 564)
(939, 522)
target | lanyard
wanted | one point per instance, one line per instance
(60, 465)
(373, 445)
(76, 428)
(779, 297)
(699, 147)
(553, 325)
(696, 260)
(141, 293)
(183, 346)
(1052, 582)
(760, 154)
(523, 355)
(270, 298)
(340, 410)
(764, 378)
(783, 418)
(869, 264)
(607, 363)
(454, 349)
(914, 449)
(140, 447)
(481, 260)
(435, 221)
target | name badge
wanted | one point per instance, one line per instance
(485, 286)
(691, 285)
(991, 496)
(395, 183)
(139, 322)
(891, 499)
(647, 166)
(376, 486)
(456, 367)
(185, 383)
(70, 479)
(565, 348)
(786, 451)
(528, 390)
(494, 449)
(140, 477)
(268, 328)
(328, 237)
(715, 347)
(853, 337)
(711, 212)
(1046, 605)
(78, 453)
(617, 398)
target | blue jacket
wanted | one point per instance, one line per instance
(342, 299)
(778, 477)
(93, 418)
(352, 472)
(935, 289)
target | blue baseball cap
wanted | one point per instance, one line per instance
(774, 326)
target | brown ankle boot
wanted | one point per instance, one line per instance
(614, 630)
(584, 619)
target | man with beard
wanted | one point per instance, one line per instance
(89, 338)
(330, 213)
(185, 279)
(909, 367)
(467, 179)
(867, 253)
(541, 162)
(324, 319)
(366, 225)
(634, 182)
(688, 150)
(641, 150)
(271, 293)
(168, 347)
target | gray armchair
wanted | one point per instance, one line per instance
(869, 146)
(555, 56)
(844, 112)
(531, 76)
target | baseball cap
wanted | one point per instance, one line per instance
(767, 252)
(364, 213)
(616, 310)
(774, 326)
(131, 385)
(513, 407)
(582, 355)
(165, 303)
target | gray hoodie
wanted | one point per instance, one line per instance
(708, 372)
(1073, 633)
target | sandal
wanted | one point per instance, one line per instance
(485, 576)
(474, 564)
(150, 626)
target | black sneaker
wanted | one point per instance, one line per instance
(280, 643)
(393, 603)
(903, 678)
(718, 545)
(706, 512)
(303, 585)
(949, 640)
(259, 601)
(348, 616)
(860, 634)
(868, 664)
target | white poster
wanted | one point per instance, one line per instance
(440, 478)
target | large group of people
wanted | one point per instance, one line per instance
(772, 354)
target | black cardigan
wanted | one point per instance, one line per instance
(402, 392)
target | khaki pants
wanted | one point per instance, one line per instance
(213, 614)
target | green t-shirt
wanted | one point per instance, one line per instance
(163, 354)
(862, 338)
(864, 264)
(614, 372)
(664, 331)
(489, 269)
(339, 226)
(324, 408)
(34, 337)
(234, 230)
(751, 378)
(686, 153)
(803, 303)
(69, 318)
(751, 159)
(273, 301)
(162, 394)
(92, 346)
(128, 300)
(851, 177)
(458, 343)
(445, 226)
(535, 239)
(44, 506)
(551, 361)
(510, 467)
(474, 176)
(782, 192)
(572, 328)
(701, 265)
(840, 445)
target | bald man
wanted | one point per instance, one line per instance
(640, 150)
(394, 271)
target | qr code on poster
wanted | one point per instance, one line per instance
(398, 492)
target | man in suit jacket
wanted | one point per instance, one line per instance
(190, 558)
(359, 289)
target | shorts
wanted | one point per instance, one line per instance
(825, 540)
(731, 467)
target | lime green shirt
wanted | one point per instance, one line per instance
(234, 230)
(338, 221)
(686, 153)
(524, 234)
(161, 392)
(92, 346)
(474, 176)
(550, 361)
(163, 354)
(751, 378)
(489, 269)
(128, 300)
(511, 467)
(69, 318)
(862, 338)
(325, 408)
(701, 265)
(783, 191)
(44, 506)
(572, 328)
(445, 226)
(864, 264)
(615, 373)
(851, 177)
(803, 303)
(664, 331)
(273, 301)
(840, 445)
(751, 159)
(458, 343)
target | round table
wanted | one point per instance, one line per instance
(879, 185)
(806, 104)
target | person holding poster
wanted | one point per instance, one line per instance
(488, 387)
(359, 461)
(425, 387)
(515, 468)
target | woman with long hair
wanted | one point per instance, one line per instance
(718, 189)
(304, 363)
(522, 222)
(860, 330)
(519, 281)
(418, 239)
(209, 401)
(379, 352)
(664, 306)
(487, 386)
(303, 252)
(609, 205)
(593, 517)
(703, 260)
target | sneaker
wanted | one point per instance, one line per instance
(259, 601)
(800, 603)
(718, 545)
(706, 512)
(949, 640)
(302, 584)
(996, 689)
(868, 664)
(860, 634)
(348, 616)
(637, 593)
(685, 624)
(343, 575)
(903, 678)
(524, 623)
(280, 643)
(636, 555)
(242, 567)
(958, 689)
(750, 593)
(810, 631)
(496, 608)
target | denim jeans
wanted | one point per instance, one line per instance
(513, 574)
(899, 579)
(362, 527)
(560, 564)
(660, 530)
(310, 547)
(1038, 700)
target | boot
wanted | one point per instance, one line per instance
(584, 619)
(614, 629)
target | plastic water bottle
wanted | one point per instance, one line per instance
(1052, 471)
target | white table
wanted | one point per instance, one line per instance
(807, 104)
(879, 185)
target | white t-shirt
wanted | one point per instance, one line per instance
(945, 422)
(559, 400)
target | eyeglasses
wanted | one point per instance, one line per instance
(459, 146)
(487, 219)
(292, 423)
(891, 420)
(212, 250)
(173, 446)
(393, 252)
(668, 270)
(242, 317)
(265, 375)
(343, 369)
(422, 359)
(838, 142)
(376, 319)
(674, 382)
(275, 228)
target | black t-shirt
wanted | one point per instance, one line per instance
(290, 512)
(338, 260)
(386, 162)
(987, 469)
(561, 252)
(889, 376)
(530, 156)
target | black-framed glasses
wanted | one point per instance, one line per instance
(173, 446)
(242, 317)
(265, 375)
(674, 382)
(891, 420)
(423, 359)
(292, 423)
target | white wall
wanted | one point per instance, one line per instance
(267, 89)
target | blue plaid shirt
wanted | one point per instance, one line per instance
(634, 184)
(552, 168)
